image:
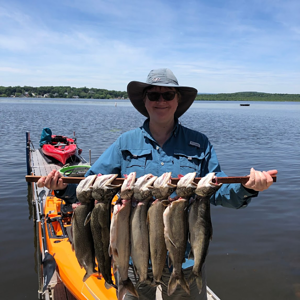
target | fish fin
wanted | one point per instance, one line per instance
(147, 281)
(198, 277)
(165, 202)
(126, 285)
(171, 241)
(110, 285)
(169, 262)
(156, 283)
(88, 218)
(191, 255)
(199, 283)
(86, 276)
(174, 281)
(172, 285)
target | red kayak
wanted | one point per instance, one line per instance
(60, 147)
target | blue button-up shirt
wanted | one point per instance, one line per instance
(185, 151)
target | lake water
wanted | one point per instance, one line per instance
(255, 251)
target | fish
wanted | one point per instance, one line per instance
(186, 186)
(143, 187)
(85, 188)
(162, 186)
(138, 227)
(162, 189)
(100, 223)
(82, 239)
(103, 187)
(175, 233)
(200, 226)
(119, 247)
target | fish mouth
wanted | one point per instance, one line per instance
(105, 181)
(207, 185)
(129, 182)
(145, 182)
(163, 181)
(187, 180)
(128, 186)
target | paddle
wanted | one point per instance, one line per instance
(49, 264)
(236, 179)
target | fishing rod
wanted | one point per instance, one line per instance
(233, 179)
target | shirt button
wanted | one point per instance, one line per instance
(157, 147)
(162, 163)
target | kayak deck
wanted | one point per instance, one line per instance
(61, 248)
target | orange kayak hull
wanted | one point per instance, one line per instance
(68, 267)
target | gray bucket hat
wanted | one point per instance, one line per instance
(160, 77)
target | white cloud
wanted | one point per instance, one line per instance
(105, 44)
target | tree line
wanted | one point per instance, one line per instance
(94, 93)
(61, 92)
(248, 96)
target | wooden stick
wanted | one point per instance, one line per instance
(236, 179)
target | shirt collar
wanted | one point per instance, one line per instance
(147, 132)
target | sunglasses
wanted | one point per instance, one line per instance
(168, 96)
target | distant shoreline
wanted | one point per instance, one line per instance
(67, 92)
(241, 101)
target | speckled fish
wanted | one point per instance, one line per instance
(175, 232)
(100, 222)
(84, 189)
(138, 226)
(82, 239)
(186, 186)
(162, 189)
(119, 247)
(200, 226)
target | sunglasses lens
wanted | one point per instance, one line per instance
(168, 95)
(154, 96)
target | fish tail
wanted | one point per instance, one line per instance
(146, 281)
(198, 277)
(158, 282)
(86, 276)
(126, 286)
(199, 283)
(174, 281)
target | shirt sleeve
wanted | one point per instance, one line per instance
(229, 195)
(109, 162)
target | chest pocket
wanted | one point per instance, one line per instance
(189, 163)
(135, 160)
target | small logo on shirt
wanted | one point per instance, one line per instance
(195, 144)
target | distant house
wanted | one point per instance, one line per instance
(76, 97)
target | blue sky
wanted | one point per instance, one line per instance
(215, 46)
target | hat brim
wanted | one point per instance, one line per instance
(135, 91)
